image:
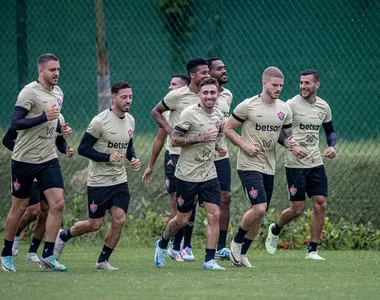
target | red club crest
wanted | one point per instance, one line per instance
(130, 132)
(292, 190)
(93, 207)
(180, 201)
(253, 193)
(217, 125)
(281, 115)
(320, 115)
(16, 185)
(59, 102)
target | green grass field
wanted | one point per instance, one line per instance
(287, 275)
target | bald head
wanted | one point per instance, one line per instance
(272, 72)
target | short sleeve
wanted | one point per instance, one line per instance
(289, 116)
(61, 119)
(170, 101)
(241, 111)
(328, 116)
(25, 98)
(95, 128)
(185, 121)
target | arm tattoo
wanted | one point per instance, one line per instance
(287, 132)
(179, 139)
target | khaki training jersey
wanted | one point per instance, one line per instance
(307, 121)
(262, 124)
(176, 101)
(196, 162)
(113, 135)
(37, 144)
(223, 104)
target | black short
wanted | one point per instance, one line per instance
(258, 186)
(100, 199)
(208, 191)
(37, 194)
(312, 181)
(48, 175)
(169, 171)
(223, 169)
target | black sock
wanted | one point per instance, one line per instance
(34, 245)
(163, 244)
(210, 254)
(222, 239)
(276, 229)
(7, 249)
(19, 230)
(177, 239)
(65, 235)
(239, 237)
(313, 247)
(48, 249)
(105, 254)
(188, 230)
(246, 244)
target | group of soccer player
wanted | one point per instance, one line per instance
(194, 119)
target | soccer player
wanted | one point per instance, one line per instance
(107, 142)
(196, 133)
(305, 172)
(222, 164)
(176, 82)
(262, 118)
(35, 117)
(38, 207)
(175, 101)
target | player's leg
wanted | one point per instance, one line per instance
(185, 203)
(223, 169)
(39, 231)
(187, 250)
(120, 203)
(98, 203)
(22, 180)
(253, 184)
(296, 180)
(317, 189)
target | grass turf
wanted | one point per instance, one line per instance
(286, 275)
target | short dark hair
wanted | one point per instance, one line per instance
(44, 58)
(207, 81)
(311, 72)
(193, 63)
(182, 77)
(119, 85)
(211, 60)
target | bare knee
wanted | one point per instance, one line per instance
(55, 199)
(182, 219)
(319, 204)
(19, 206)
(94, 224)
(297, 208)
(213, 216)
(33, 211)
(119, 221)
(226, 199)
(259, 211)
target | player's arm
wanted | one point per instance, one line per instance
(158, 144)
(61, 144)
(86, 149)
(331, 139)
(159, 118)
(9, 139)
(229, 131)
(20, 122)
(131, 153)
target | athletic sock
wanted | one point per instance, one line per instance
(222, 239)
(163, 244)
(246, 244)
(313, 247)
(239, 237)
(276, 229)
(34, 245)
(188, 230)
(105, 254)
(48, 249)
(19, 230)
(65, 235)
(7, 249)
(210, 254)
(177, 239)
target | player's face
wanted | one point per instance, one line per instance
(218, 71)
(273, 86)
(201, 72)
(176, 83)
(308, 86)
(50, 72)
(208, 94)
(123, 100)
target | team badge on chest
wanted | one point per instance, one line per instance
(130, 132)
(217, 125)
(59, 102)
(320, 115)
(281, 115)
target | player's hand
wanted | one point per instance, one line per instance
(170, 163)
(330, 152)
(52, 113)
(299, 152)
(209, 136)
(290, 143)
(135, 163)
(116, 157)
(66, 130)
(250, 149)
(147, 175)
(69, 151)
(222, 151)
